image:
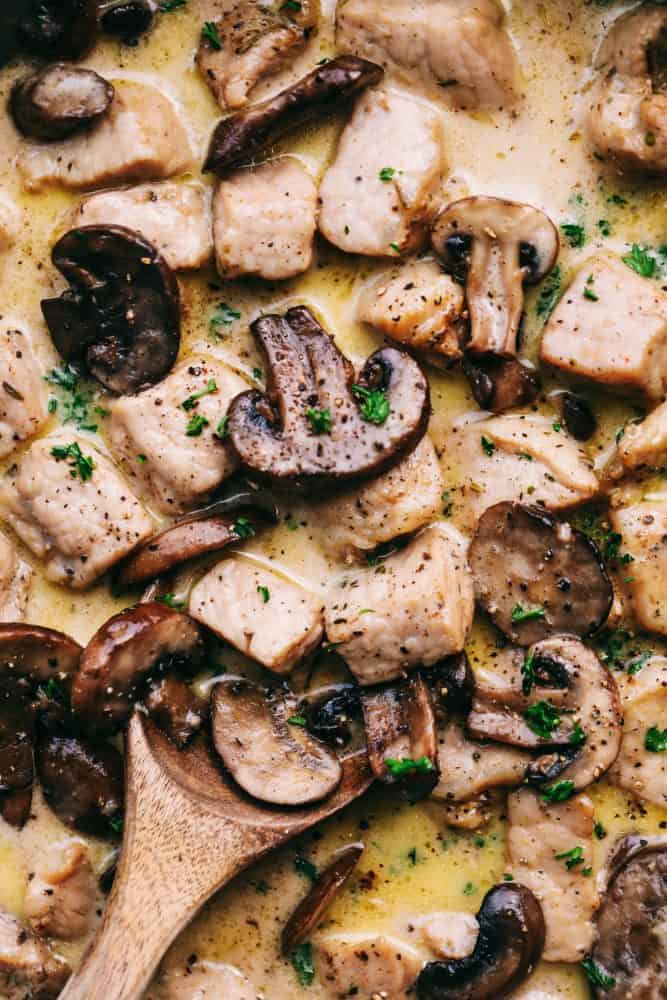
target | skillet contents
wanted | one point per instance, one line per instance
(333, 425)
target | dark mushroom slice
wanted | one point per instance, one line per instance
(330, 711)
(82, 780)
(497, 246)
(510, 943)
(401, 736)
(176, 709)
(270, 758)
(58, 29)
(499, 383)
(451, 682)
(578, 417)
(17, 723)
(319, 898)
(535, 576)
(203, 531)
(242, 137)
(629, 956)
(147, 639)
(37, 655)
(58, 100)
(368, 424)
(126, 19)
(121, 315)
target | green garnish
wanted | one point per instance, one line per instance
(223, 316)
(599, 830)
(655, 740)
(641, 261)
(542, 718)
(302, 961)
(221, 430)
(80, 465)
(528, 674)
(171, 601)
(590, 294)
(297, 720)
(210, 34)
(191, 401)
(386, 173)
(574, 234)
(264, 593)
(558, 792)
(578, 736)
(116, 824)
(196, 425)
(549, 294)
(488, 446)
(244, 528)
(167, 6)
(596, 975)
(320, 420)
(571, 858)
(305, 867)
(521, 614)
(375, 405)
(399, 767)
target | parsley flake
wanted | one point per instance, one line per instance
(264, 593)
(560, 791)
(320, 420)
(542, 718)
(575, 235)
(190, 403)
(210, 34)
(571, 858)
(386, 174)
(521, 614)
(244, 528)
(80, 465)
(374, 404)
(399, 767)
(596, 974)
(488, 446)
(641, 261)
(302, 962)
(655, 740)
(196, 425)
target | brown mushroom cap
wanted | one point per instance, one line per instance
(58, 100)
(126, 19)
(36, 654)
(329, 712)
(241, 137)
(269, 758)
(510, 943)
(121, 315)
(319, 898)
(536, 576)
(176, 709)
(273, 435)
(630, 940)
(17, 722)
(499, 383)
(400, 727)
(58, 29)
(123, 653)
(499, 246)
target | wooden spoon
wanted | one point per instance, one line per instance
(188, 831)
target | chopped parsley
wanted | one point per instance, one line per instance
(521, 614)
(264, 593)
(80, 465)
(577, 736)
(244, 528)
(374, 404)
(575, 235)
(320, 420)
(297, 720)
(488, 446)
(641, 261)
(542, 718)
(469, 889)
(599, 830)
(640, 661)
(305, 867)
(196, 425)
(395, 247)
(257, 373)
(528, 674)
(560, 791)
(76, 402)
(596, 975)
(604, 227)
(590, 294)
(210, 34)
(302, 962)
(221, 431)
(386, 174)
(66, 377)
(116, 824)
(293, 5)
(224, 315)
(54, 690)
(171, 601)
(168, 6)
(412, 855)
(399, 767)
(549, 294)
(655, 740)
(190, 403)
(571, 858)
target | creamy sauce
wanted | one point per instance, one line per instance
(413, 863)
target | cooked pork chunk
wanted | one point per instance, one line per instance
(396, 503)
(78, 527)
(142, 138)
(166, 435)
(468, 768)
(270, 619)
(264, 221)
(515, 457)
(610, 327)
(175, 218)
(550, 847)
(22, 396)
(15, 576)
(377, 965)
(456, 50)
(255, 42)
(380, 193)
(411, 610)
(642, 445)
(60, 898)
(9, 222)
(205, 981)
(643, 527)
(418, 305)
(450, 934)
(28, 969)
(639, 769)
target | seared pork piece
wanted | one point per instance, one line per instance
(69, 505)
(169, 435)
(253, 42)
(412, 610)
(264, 221)
(396, 503)
(270, 619)
(455, 50)
(10, 222)
(141, 138)
(22, 396)
(610, 327)
(380, 193)
(642, 446)
(550, 849)
(381, 965)
(28, 968)
(468, 767)
(15, 576)
(516, 457)
(60, 898)
(640, 768)
(205, 981)
(643, 528)
(175, 218)
(449, 934)
(627, 120)
(419, 306)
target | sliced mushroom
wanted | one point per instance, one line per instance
(60, 898)
(270, 758)
(209, 529)
(126, 19)
(498, 246)
(452, 683)
(329, 712)
(82, 780)
(499, 383)
(37, 655)
(58, 29)
(58, 100)
(116, 663)
(372, 422)
(321, 895)
(509, 945)
(401, 737)
(28, 968)
(176, 709)
(122, 314)
(578, 416)
(630, 953)
(241, 137)
(16, 757)
(535, 576)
